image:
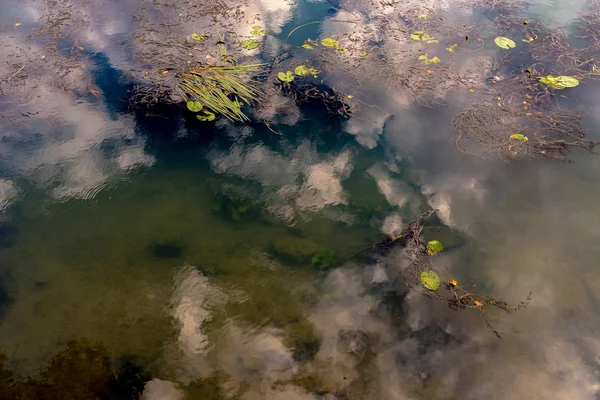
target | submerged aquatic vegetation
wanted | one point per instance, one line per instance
(324, 258)
(83, 370)
(222, 89)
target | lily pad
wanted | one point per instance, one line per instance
(423, 36)
(194, 106)
(505, 43)
(257, 31)
(559, 82)
(206, 116)
(250, 44)
(330, 42)
(427, 60)
(434, 247)
(286, 76)
(198, 37)
(518, 136)
(303, 70)
(309, 44)
(430, 280)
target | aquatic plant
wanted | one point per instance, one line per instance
(430, 280)
(505, 43)
(222, 89)
(434, 247)
(324, 258)
(81, 371)
(559, 82)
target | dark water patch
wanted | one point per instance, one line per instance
(83, 370)
(8, 235)
(292, 250)
(6, 297)
(166, 249)
(301, 338)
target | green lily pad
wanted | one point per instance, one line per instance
(286, 76)
(427, 60)
(206, 116)
(451, 48)
(518, 136)
(257, 31)
(559, 82)
(505, 42)
(250, 44)
(330, 42)
(423, 36)
(303, 70)
(434, 247)
(194, 106)
(198, 37)
(309, 44)
(430, 280)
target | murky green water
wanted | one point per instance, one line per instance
(194, 249)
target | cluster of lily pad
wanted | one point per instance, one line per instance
(196, 107)
(252, 43)
(430, 279)
(300, 70)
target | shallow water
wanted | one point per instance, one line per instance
(189, 246)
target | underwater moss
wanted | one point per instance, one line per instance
(81, 371)
(300, 337)
(166, 249)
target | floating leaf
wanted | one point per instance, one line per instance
(207, 116)
(286, 76)
(417, 35)
(194, 106)
(529, 39)
(423, 16)
(434, 247)
(250, 44)
(257, 31)
(330, 42)
(427, 60)
(17, 24)
(309, 44)
(430, 280)
(452, 283)
(478, 303)
(421, 35)
(303, 70)
(451, 48)
(559, 82)
(505, 42)
(198, 37)
(518, 136)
